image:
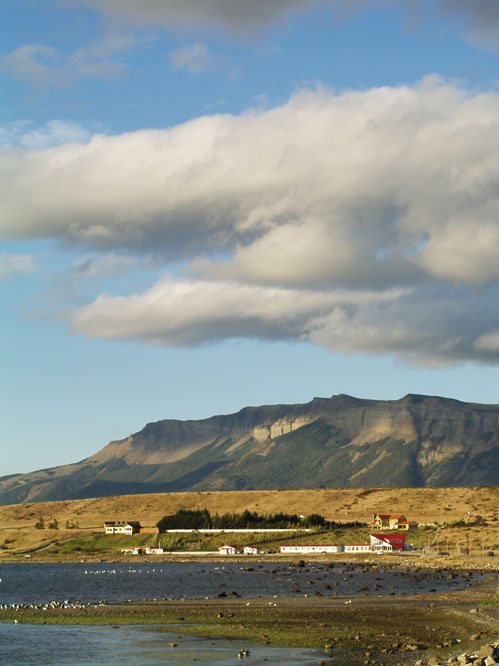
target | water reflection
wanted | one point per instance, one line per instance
(91, 583)
(48, 645)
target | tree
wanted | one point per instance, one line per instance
(314, 519)
(185, 519)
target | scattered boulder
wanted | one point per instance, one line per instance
(487, 655)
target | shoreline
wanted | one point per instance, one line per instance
(396, 561)
(398, 629)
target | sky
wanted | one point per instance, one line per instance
(209, 204)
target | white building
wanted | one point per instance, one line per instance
(154, 551)
(251, 550)
(122, 527)
(387, 543)
(227, 550)
(358, 548)
(312, 548)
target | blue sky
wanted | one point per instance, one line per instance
(211, 204)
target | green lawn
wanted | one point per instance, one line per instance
(111, 544)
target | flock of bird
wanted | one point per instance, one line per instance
(317, 576)
(50, 605)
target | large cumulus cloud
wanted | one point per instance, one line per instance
(433, 325)
(388, 185)
(389, 195)
(185, 312)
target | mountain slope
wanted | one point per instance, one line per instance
(339, 442)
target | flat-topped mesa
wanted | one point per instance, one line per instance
(336, 442)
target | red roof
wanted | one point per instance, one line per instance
(395, 540)
(388, 516)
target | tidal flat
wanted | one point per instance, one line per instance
(399, 629)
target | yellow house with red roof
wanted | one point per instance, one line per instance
(391, 521)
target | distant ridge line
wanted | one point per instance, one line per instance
(337, 442)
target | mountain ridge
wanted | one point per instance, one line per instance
(342, 441)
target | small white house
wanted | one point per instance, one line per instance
(251, 550)
(154, 551)
(312, 548)
(227, 550)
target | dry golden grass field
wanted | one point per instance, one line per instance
(424, 505)
(440, 505)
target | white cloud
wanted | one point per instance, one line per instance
(488, 342)
(103, 69)
(16, 263)
(42, 65)
(194, 58)
(54, 133)
(466, 250)
(423, 326)
(432, 325)
(186, 312)
(385, 189)
(94, 60)
(31, 62)
(384, 185)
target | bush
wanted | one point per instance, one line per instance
(71, 524)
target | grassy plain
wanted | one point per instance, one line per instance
(470, 516)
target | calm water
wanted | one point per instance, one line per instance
(92, 583)
(25, 645)
(30, 583)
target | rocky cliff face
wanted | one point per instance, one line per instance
(337, 442)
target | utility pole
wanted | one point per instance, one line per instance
(438, 530)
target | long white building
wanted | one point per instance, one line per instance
(358, 548)
(312, 548)
(379, 543)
